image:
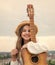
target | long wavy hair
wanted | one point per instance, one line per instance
(20, 41)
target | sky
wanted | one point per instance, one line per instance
(12, 12)
(7, 43)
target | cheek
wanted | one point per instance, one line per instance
(22, 34)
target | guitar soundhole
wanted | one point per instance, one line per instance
(34, 59)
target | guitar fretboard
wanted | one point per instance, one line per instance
(33, 36)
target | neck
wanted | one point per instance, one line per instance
(26, 41)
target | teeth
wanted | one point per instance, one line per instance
(26, 36)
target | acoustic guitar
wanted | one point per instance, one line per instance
(28, 58)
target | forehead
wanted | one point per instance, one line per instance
(26, 27)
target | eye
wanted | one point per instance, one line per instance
(23, 30)
(26, 31)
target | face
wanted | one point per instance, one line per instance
(26, 33)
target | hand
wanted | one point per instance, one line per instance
(14, 52)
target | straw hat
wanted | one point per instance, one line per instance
(22, 24)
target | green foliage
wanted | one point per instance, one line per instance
(5, 56)
(1, 56)
(51, 62)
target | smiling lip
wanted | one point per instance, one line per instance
(27, 35)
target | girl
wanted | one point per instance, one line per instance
(24, 41)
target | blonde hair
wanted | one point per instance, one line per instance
(20, 41)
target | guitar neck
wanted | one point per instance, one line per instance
(33, 36)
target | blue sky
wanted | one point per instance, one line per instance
(12, 12)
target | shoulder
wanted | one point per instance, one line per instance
(36, 48)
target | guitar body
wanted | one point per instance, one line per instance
(28, 61)
(28, 58)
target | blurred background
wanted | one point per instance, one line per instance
(13, 12)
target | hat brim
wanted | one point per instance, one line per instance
(22, 24)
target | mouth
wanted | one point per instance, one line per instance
(27, 36)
